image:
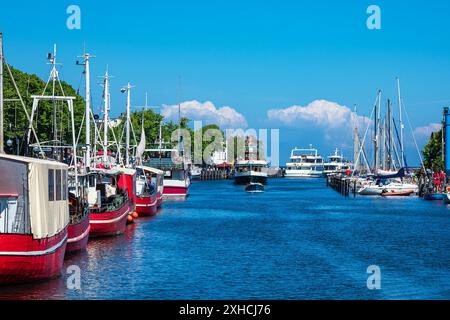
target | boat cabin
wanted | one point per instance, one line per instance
(105, 193)
(149, 180)
(33, 197)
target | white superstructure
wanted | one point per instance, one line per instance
(304, 163)
(336, 164)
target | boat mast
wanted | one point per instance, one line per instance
(402, 151)
(86, 57)
(355, 139)
(127, 144)
(54, 77)
(383, 145)
(105, 117)
(2, 150)
(389, 135)
(376, 133)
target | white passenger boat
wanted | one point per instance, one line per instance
(336, 164)
(304, 163)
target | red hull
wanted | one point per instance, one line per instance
(175, 191)
(78, 236)
(146, 206)
(110, 223)
(24, 259)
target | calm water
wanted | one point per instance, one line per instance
(299, 240)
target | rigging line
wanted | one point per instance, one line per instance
(365, 134)
(134, 133)
(23, 105)
(400, 145)
(414, 138)
(81, 126)
(118, 146)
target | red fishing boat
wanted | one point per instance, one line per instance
(158, 180)
(34, 217)
(148, 197)
(109, 202)
(127, 181)
(176, 180)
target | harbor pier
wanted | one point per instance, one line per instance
(341, 184)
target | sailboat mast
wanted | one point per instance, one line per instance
(402, 151)
(355, 139)
(105, 118)
(2, 150)
(383, 145)
(388, 136)
(376, 133)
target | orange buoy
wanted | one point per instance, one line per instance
(135, 215)
(129, 219)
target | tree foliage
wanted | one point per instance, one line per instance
(16, 122)
(432, 152)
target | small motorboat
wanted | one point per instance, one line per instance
(397, 193)
(254, 187)
(433, 196)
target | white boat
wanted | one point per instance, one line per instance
(336, 164)
(304, 163)
(254, 188)
(377, 188)
(250, 171)
(176, 178)
(195, 173)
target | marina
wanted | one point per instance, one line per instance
(319, 242)
(243, 175)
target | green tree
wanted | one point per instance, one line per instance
(432, 152)
(16, 122)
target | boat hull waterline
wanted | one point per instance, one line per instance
(78, 236)
(109, 223)
(147, 205)
(24, 259)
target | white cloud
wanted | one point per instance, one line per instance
(225, 117)
(321, 113)
(426, 131)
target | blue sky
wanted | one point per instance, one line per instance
(250, 55)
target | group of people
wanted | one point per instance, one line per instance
(438, 180)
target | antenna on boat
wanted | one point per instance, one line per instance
(2, 150)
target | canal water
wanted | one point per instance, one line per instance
(298, 240)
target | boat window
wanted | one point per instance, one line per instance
(12, 215)
(64, 185)
(51, 185)
(58, 185)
